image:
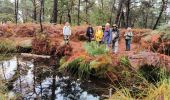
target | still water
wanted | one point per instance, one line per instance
(40, 79)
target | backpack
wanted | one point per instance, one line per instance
(115, 35)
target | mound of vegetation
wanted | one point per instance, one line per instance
(93, 48)
(7, 46)
(83, 68)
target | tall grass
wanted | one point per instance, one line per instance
(155, 90)
(7, 46)
(93, 48)
(83, 68)
(160, 91)
(3, 90)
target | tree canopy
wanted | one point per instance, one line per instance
(134, 13)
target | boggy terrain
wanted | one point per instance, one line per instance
(131, 74)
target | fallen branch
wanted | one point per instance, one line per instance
(34, 55)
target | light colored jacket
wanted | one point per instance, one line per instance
(67, 30)
(128, 35)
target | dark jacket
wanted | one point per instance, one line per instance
(89, 32)
(115, 33)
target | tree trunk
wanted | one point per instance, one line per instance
(55, 11)
(62, 11)
(127, 12)
(146, 20)
(69, 16)
(119, 11)
(160, 14)
(123, 19)
(35, 10)
(25, 11)
(102, 11)
(16, 11)
(112, 11)
(41, 8)
(78, 22)
(87, 17)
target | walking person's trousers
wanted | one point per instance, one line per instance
(115, 46)
(128, 42)
(66, 39)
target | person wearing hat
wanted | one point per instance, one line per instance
(128, 37)
(115, 38)
(107, 35)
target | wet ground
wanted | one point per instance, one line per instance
(41, 79)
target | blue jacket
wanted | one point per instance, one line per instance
(107, 36)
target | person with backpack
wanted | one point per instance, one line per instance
(89, 32)
(115, 38)
(99, 34)
(107, 35)
(67, 32)
(128, 37)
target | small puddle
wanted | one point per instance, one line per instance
(34, 79)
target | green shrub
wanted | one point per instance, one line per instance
(165, 28)
(152, 74)
(125, 61)
(93, 48)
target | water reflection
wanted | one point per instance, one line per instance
(40, 79)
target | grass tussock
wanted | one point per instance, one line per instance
(94, 49)
(7, 46)
(160, 91)
(83, 68)
(148, 83)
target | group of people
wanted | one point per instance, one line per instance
(103, 35)
(110, 36)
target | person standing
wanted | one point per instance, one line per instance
(99, 34)
(89, 32)
(128, 37)
(107, 35)
(103, 28)
(115, 39)
(67, 32)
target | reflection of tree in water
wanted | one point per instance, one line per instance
(69, 89)
(45, 82)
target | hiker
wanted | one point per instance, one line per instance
(107, 35)
(67, 32)
(128, 37)
(103, 28)
(115, 38)
(99, 34)
(89, 32)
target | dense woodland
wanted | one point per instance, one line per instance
(135, 13)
